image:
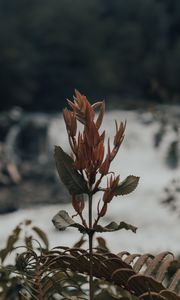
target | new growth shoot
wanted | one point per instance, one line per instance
(82, 173)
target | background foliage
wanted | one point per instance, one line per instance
(48, 48)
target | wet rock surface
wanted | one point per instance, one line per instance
(27, 170)
(31, 192)
(38, 185)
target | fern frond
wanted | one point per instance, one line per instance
(144, 276)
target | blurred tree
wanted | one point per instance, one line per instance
(118, 47)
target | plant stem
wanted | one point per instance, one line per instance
(38, 285)
(90, 211)
(91, 291)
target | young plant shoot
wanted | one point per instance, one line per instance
(83, 171)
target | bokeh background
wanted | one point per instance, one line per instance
(124, 51)
(119, 50)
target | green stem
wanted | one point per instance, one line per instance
(90, 210)
(91, 291)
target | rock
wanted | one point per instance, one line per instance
(9, 119)
(8, 170)
(27, 141)
(7, 203)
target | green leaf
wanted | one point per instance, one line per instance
(62, 220)
(73, 180)
(102, 244)
(28, 242)
(127, 186)
(12, 239)
(113, 226)
(42, 235)
(79, 243)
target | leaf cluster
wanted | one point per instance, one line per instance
(63, 272)
(32, 273)
(143, 276)
(62, 220)
(24, 236)
(75, 182)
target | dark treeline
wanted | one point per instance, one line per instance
(128, 48)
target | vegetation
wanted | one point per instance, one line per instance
(83, 174)
(129, 48)
(96, 273)
(62, 273)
